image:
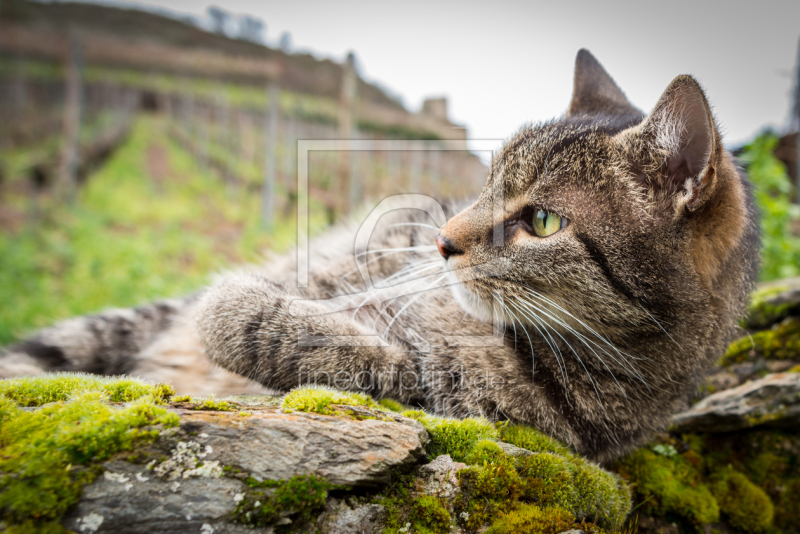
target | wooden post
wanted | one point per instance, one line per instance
(73, 99)
(794, 126)
(434, 172)
(348, 130)
(270, 154)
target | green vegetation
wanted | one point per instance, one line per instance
(149, 224)
(549, 490)
(47, 455)
(531, 439)
(298, 497)
(744, 505)
(213, 405)
(429, 516)
(781, 342)
(669, 487)
(318, 399)
(455, 437)
(530, 518)
(747, 480)
(55, 387)
(781, 249)
(763, 313)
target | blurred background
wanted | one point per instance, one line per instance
(146, 146)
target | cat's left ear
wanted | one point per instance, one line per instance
(682, 128)
(594, 91)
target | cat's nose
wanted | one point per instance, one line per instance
(446, 248)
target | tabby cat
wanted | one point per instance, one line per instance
(596, 278)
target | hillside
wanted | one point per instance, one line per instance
(299, 72)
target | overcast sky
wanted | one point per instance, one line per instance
(503, 63)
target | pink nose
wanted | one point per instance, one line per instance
(446, 248)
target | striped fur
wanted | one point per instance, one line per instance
(608, 323)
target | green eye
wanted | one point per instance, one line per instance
(545, 224)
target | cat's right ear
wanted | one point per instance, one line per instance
(682, 131)
(595, 92)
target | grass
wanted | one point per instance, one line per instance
(149, 224)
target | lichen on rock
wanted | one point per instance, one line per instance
(50, 453)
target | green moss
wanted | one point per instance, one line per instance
(780, 342)
(429, 516)
(47, 455)
(531, 439)
(485, 451)
(534, 520)
(213, 405)
(298, 497)
(54, 387)
(318, 399)
(392, 405)
(487, 491)
(455, 437)
(787, 511)
(30, 527)
(577, 485)
(762, 312)
(669, 486)
(744, 505)
(181, 398)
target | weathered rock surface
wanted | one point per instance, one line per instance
(129, 499)
(276, 445)
(773, 400)
(195, 481)
(439, 479)
(342, 516)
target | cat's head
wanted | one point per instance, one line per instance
(604, 219)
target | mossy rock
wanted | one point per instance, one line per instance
(781, 342)
(773, 303)
(320, 399)
(48, 454)
(746, 480)
(744, 505)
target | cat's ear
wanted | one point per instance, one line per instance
(682, 129)
(594, 91)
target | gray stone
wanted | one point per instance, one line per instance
(186, 489)
(514, 451)
(275, 445)
(254, 400)
(439, 479)
(773, 400)
(343, 516)
(129, 499)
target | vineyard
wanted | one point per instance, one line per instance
(132, 167)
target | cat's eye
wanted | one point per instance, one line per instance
(545, 223)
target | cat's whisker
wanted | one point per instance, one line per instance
(550, 342)
(505, 309)
(622, 355)
(661, 327)
(588, 374)
(378, 258)
(418, 248)
(411, 301)
(423, 225)
(413, 270)
(515, 319)
(588, 343)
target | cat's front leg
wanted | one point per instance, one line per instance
(248, 325)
